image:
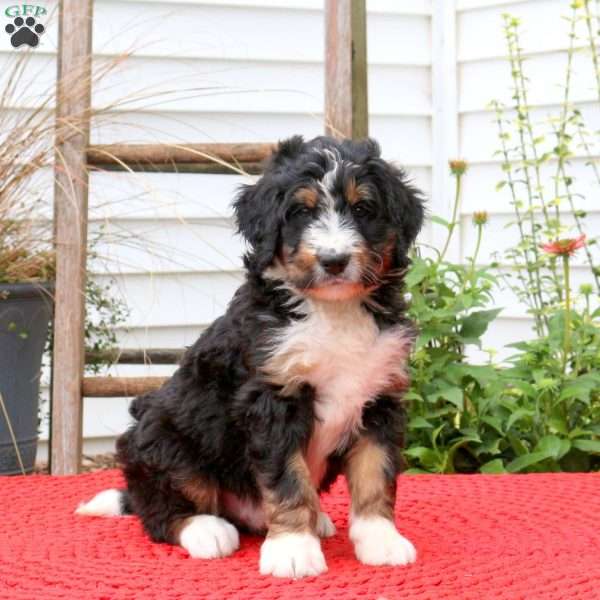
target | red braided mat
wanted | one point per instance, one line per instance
(479, 537)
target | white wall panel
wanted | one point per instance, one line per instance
(481, 34)
(259, 32)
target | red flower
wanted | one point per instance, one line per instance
(562, 247)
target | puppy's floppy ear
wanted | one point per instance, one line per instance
(257, 220)
(256, 206)
(405, 202)
(408, 207)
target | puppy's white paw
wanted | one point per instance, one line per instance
(325, 526)
(377, 542)
(292, 555)
(207, 536)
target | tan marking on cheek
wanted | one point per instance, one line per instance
(301, 263)
(308, 196)
(372, 492)
(381, 261)
(298, 512)
(305, 258)
(388, 252)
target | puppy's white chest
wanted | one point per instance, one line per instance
(339, 350)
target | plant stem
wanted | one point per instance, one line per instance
(452, 224)
(592, 41)
(474, 259)
(530, 298)
(578, 224)
(567, 335)
(562, 140)
(524, 125)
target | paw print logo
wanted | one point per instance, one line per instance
(24, 31)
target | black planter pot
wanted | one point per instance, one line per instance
(25, 312)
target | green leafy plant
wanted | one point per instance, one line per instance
(540, 409)
(538, 412)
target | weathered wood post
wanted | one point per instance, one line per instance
(346, 91)
(70, 229)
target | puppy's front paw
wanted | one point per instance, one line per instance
(207, 536)
(377, 542)
(292, 555)
(325, 526)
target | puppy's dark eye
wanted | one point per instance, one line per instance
(361, 211)
(304, 210)
(300, 210)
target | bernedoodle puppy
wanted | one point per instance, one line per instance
(299, 381)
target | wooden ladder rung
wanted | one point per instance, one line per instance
(184, 158)
(152, 356)
(119, 387)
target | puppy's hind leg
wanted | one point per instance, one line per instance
(205, 535)
(185, 513)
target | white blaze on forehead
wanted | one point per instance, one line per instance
(328, 180)
(332, 233)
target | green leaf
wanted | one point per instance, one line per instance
(493, 467)
(475, 325)
(491, 446)
(519, 414)
(494, 422)
(482, 374)
(419, 423)
(453, 394)
(526, 460)
(427, 456)
(580, 389)
(558, 424)
(553, 445)
(411, 395)
(591, 446)
(500, 185)
(417, 273)
(439, 221)
(517, 445)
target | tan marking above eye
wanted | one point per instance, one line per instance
(308, 196)
(355, 192)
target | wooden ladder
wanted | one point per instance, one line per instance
(346, 115)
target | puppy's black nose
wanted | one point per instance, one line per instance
(334, 264)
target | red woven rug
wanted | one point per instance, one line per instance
(479, 537)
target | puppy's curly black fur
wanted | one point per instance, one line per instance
(249, 419)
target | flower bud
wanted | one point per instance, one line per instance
(480, 217)
(458, 167)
